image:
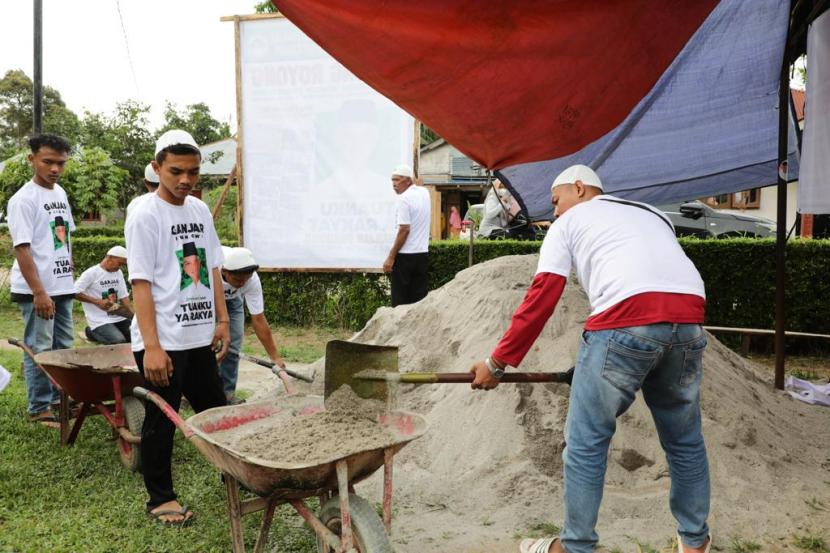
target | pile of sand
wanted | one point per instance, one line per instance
(490, 465)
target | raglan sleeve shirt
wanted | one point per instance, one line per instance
(555, 262)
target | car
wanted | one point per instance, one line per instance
(694, 218)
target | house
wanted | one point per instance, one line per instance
(453, 179)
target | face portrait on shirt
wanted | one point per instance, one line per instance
(192, 265)
(59, 232)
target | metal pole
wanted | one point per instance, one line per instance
(781, 235)
(37, 106)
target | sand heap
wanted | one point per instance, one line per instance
(490, 465)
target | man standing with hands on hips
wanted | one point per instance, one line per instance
(179, 328)
(644, 333)
(408, 259)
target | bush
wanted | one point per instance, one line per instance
(87, 231)
(739, 274)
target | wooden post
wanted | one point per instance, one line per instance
(225, 189)
(240, 168)
(781, 235)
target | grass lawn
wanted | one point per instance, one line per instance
(82, 499)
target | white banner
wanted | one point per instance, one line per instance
(318, 150)
(814, 176)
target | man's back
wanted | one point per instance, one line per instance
(618, 251)
(416, 202)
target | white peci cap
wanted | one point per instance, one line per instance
(173, 138)
(150, 174)
(239, 260)
(403, 171)
(118, 251)
(578, 173)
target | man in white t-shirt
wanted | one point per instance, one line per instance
(643, 334)
(103, 293)
(41, 224)
(241, 282)
(151, 184)
(181, 321)
(408, 259)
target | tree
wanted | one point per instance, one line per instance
(16, 99)
(266, 7)
(91, 180)
(127, 140)
(197, 120)
(428, 135)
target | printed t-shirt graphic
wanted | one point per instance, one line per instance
(42, 218)
(193, 265)
(175, 248)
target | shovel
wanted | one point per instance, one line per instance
(275, 369)
(368, 368)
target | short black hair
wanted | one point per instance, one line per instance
(178, 150)
(53, 141)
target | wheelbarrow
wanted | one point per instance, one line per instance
(345, 523)
(100, 380)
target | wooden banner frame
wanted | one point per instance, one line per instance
(240, 168)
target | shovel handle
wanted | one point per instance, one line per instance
(165, 407)
(276, 370)
(460, 378)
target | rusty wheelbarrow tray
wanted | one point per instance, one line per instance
(346, 522)
(100, 380)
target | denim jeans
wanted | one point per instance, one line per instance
(110, 333)
(44, 335)
(666, 362)
(229, 367)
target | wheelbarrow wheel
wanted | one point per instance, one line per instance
(367, 527)
(134, 416)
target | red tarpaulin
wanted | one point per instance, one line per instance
(506, 82)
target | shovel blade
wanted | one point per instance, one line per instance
(345, 359)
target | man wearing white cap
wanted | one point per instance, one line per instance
(103, 293)
(241, 282)
(151, 184)
(643, 334)
(408, 259)
(179, 328)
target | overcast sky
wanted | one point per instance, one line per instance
(180, 51)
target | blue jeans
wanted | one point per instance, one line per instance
(44, 335)
(229, 367)
(111, 333)
(666, 362)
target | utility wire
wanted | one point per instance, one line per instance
(127, 45)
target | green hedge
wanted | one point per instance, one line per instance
(739, 275)
(87, 231)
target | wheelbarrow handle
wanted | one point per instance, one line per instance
(22, 345)
(165, 407)
(276, 370)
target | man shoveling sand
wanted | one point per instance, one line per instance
(644, 333)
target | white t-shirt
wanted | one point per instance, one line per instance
(619, 251)
(251, 291)
(175, 248)
(97, 282)
(138, 200)
(413, 208)
(41, 217)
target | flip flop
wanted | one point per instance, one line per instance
(540, 545)
(681, 549)
(184, 511)
(45, 418)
